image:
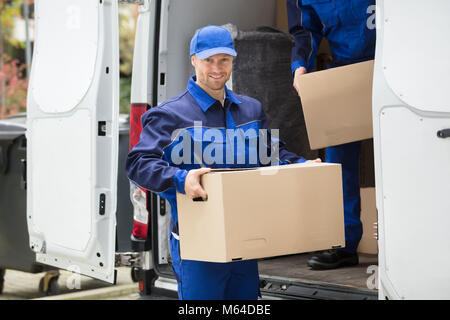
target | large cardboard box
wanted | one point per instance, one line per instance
(264, 212)
(337, 104)
(369, 216)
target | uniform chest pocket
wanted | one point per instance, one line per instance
(325, 9)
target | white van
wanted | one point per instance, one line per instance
(73, 132)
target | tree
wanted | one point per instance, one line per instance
(9, 83)
(14, 87)
(127, 30)
(13, 80)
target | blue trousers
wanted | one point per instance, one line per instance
(198, 280)
(348, 156)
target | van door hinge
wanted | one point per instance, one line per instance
(128, 259)
(133, 259)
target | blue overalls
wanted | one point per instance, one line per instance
(349, 27)
(192, 122)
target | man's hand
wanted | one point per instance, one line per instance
(192, 185)
(298, 73)
(318, 160)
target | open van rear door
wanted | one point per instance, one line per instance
(72, 134)
(411, 113)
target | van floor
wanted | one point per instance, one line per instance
(294, 268)
(341, 283)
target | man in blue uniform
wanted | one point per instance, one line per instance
(348, 26)
(175, 149)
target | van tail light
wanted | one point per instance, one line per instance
(138, 196)
(141, 214)
(136, 112)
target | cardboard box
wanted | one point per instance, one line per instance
(369, 215)
(264, 212)
(337, 104)
(281, 17)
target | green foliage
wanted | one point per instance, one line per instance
(13, 83)
(9, 10)
(127, 25)
(14, 87)
(125, 93)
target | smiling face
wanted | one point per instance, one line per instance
(213, 72)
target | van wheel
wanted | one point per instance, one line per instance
(2, 279)
(135, 274)
(52, 287)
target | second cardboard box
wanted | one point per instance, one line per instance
(337, 104)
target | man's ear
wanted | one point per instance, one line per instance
(193, 60)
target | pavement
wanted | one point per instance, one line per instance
(24, 286)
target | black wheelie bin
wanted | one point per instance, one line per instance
(15, 253)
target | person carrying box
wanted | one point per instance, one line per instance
(351, 35)
(174, 151)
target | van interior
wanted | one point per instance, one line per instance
(176, 23)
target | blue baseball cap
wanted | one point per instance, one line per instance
(211, 40)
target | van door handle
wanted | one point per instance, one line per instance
(445, 133)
